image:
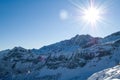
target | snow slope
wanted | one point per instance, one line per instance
(107, 74)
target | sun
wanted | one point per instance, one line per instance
(92, 15)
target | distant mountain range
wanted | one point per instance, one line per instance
(73, 59)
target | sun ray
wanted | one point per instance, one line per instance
(89, 14)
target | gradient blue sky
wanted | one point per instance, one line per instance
(35, 23)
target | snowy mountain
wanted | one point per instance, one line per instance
(73, 59)
(107, 74)
(68, 46)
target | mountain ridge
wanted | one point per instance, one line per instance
(72, 59)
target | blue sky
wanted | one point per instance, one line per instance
(35, 23)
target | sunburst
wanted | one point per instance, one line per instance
(92, 15)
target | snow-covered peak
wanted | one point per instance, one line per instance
(68, 46)
(19, 49)
(81, 39)
(107, 74)
(17, 53)
(78, 37)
